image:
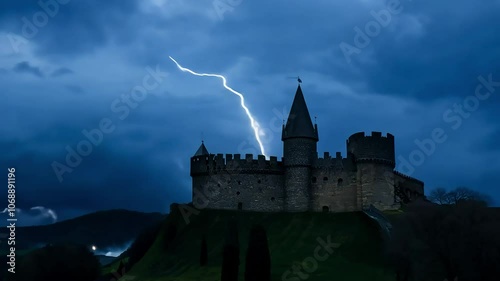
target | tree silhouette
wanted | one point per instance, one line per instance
(258, 260)
(443, 197)
(170, 234)
(458, 241)
(203, 252)
(121, 268)
(231, 253)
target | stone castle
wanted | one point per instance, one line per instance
(301, 181)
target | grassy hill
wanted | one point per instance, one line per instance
(103, 229)
(292, 238)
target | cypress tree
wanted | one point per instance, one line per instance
(258, 259)
(203, 252)
(231, 254)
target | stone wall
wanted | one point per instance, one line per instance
(412, 187)
(257, 192)
(376, 185)
(334, 189)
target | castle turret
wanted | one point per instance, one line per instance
(299, 138)
(202, 150)
(374, 159)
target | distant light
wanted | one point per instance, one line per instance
(94, 248)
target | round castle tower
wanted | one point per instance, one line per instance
(375, 162)
(299, 138)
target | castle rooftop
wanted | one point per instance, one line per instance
(299, 124)
(202, 150)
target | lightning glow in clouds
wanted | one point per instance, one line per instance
(253, 123)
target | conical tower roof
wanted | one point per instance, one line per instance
(202, 150)
(299, 122)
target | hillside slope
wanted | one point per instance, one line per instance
(103, 229)
(292, 238)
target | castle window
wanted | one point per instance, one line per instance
(339, 182)
(325, 178)
(237, 193)
(325, 209)
(239, 182)
(272, 198)
(218, 185)
(240, 206)
(258, 181)
(313, 180)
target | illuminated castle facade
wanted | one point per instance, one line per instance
(302, 181)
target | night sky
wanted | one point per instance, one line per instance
(69, 69)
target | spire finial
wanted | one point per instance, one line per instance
(315, 119)
(298, 79)
(201, 136)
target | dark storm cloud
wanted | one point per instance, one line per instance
(25, 67)
(74, 27)
(75, 89)
(61, 71)
(403, 82)
(445, 60)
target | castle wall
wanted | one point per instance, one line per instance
(257, 192)
(302, 181)
(376, 185)
(412, 187)
(334, 189)
(224, 183)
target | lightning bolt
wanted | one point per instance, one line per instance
(253, 123)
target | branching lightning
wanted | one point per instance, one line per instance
(253, 123)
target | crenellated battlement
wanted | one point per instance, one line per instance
(235, 163)
(374, 147)
(374, 135)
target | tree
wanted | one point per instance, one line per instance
(121, 268)
(439, 196)
(59, 262)
(458, 241)
(442, 197)
(231, 253)
(258, 260)
(203, 252)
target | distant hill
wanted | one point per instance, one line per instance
(293, 239)
(104, 229)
